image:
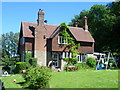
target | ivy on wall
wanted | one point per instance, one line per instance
(70, 40)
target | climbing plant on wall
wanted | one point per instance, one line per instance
(70, 40)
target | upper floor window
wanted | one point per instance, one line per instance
(62, 40)
(22, 40)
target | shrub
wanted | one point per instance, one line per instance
(71, 60)
(66, 66)
(28, 56)
(111, 60)
(37, 77)
(6, 68)
(91, 62)
(33, 62)
(30, 60)
(82, 66)
(12, 69)
(20, 66)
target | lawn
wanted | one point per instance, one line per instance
(78, 79)
(8, 81)
(85, 79)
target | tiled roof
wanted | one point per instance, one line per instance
(79, 34)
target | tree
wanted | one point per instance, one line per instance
(103, 22)
(115, 10)
(9, 48)
(78, 18)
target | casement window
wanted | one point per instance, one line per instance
(22, 41)
(81, 57)
(62, 40)
(66, 54)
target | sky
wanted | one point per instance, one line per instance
(55, 12)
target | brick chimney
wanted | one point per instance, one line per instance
(40, 17)
(40, 41)
(85, 26)
(76, 24)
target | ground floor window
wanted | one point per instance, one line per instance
(66, 54)
(55, 59)
(81, 57)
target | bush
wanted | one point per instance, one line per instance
(20, 66)
(28, 56)
(37, 77)
(71, 60)
(30, 60)
(65, 66)
(12, 69)
(91, 62)
(111, 60)
(6, 68)
(82, 66)
(33, 62)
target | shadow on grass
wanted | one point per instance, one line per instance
(25, 86)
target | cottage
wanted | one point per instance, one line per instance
(44, 42)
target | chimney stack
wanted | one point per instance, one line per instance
(76, 24)
(40, 17)
(85, 26)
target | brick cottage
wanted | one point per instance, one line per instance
(44, 42)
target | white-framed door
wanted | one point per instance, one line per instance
(56, 60)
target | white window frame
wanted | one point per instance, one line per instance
(61, 41)
(56, 60)
(80, 58)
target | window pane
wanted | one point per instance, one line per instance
(62, 40)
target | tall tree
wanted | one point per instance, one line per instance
(115, 40)
(79, 18)
(102, 21)
(9, 48)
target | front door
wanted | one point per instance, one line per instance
(55, 60)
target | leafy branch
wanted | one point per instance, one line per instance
(70, 40)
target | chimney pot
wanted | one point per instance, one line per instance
(40, 19)
(85, 25)
(76, 24)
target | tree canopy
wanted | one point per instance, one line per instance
(9, 43)
(103, 24)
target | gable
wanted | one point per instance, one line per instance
(78, 33)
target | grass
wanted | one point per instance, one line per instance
(78, 79)
(85, 79)
(8, 81)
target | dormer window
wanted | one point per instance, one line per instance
(62, 40)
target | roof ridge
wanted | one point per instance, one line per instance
(51, 24)
(28, 22)
(76, 27)
(36, 23)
